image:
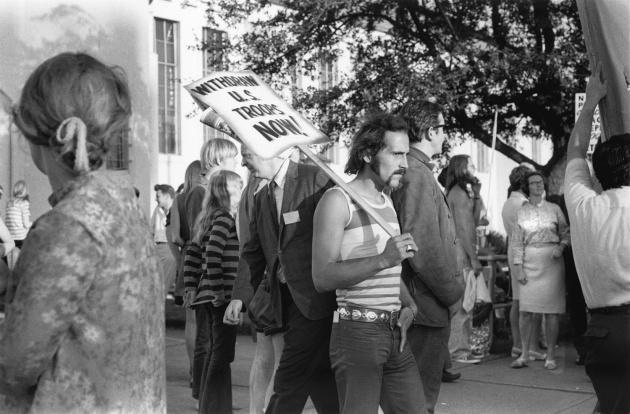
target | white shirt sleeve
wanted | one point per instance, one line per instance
(577, 183)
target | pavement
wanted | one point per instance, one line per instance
(491, 387)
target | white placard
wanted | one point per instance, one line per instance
(259, 117)
(596, 128)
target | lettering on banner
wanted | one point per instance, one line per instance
(253, 112)
(580, 98)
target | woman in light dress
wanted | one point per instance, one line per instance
(538, 240)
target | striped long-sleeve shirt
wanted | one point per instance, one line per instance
(210, 269)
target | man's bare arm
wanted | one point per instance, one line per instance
(329, 272)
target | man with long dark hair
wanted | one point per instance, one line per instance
(353, 255)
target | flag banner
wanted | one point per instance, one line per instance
(258, 116)
(607, 37)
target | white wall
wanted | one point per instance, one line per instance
(114, 31)
(191, 19)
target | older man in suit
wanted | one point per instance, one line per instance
(280, 239)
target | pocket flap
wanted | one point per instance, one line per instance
(597, 332)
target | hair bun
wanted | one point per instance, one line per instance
(72, 137)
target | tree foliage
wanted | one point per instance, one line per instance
(525, 58)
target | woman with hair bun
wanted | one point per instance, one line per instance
(85, 329)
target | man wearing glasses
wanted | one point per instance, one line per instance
(431, 274)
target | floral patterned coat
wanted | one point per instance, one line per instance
(85, 330)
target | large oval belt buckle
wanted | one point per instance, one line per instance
(356, 314)
(371, 316)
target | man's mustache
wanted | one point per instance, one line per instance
(401, 171)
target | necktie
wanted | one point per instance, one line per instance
(275, 210)
(272, 199)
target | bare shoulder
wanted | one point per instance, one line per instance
(334, 205)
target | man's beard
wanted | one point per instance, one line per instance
(376, 167)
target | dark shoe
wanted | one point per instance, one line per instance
(580, 360)
(450, 376)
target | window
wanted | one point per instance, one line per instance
(118, 156)
(166, 47)
(332, 153)
(214, 48)
(214, 60)
(483, 157)
(328, 72)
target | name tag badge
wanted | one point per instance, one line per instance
(291, 217)
(335, 317)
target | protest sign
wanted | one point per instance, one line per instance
(596, 127)
(607, 38)
(250, 111)
(260, 118)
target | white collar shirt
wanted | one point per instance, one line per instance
(280, 180)
(600, 235)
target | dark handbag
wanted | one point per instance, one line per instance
(260, 310)
(481, 312)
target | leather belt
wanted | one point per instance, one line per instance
(612, 310)
(348, 313)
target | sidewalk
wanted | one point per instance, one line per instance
(491, 387)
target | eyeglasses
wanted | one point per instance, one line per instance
(437, 126)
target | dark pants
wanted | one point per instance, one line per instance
(202, 339)
(608, 361)
(216, 384)
(430, 350)
(304, 365)
(577, 305)
(370, 370)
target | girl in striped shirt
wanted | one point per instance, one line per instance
(215, 244)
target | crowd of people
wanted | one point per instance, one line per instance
(349, 312)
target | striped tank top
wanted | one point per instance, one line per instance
(364, 237)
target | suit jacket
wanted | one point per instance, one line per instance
(431, 275)
(288, 244)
